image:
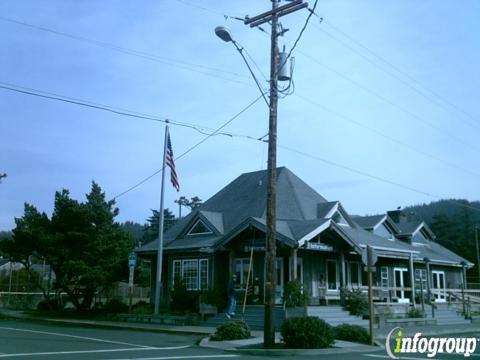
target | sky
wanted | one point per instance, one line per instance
(384, 114)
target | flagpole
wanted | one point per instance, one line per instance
(158, 285)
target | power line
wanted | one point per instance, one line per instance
(141, 54)
(366, 174)
(209, 131)
(388, 101)
(191, 148)
(97, 106)
(388, 72)
(399, 70)
(386, 136)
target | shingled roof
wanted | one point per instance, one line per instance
(302, 214)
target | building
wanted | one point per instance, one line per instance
(318, 243)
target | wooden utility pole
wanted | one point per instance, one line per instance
(371, 313)
(272, 16)
(478, 254)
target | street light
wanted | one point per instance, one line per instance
(223, 33)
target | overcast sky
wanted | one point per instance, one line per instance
(388, 88)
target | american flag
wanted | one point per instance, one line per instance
(171, 163)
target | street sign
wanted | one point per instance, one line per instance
(132, 259)
(364, 257)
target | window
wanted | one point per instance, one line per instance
(421, 279)
(384, 231)
(199, 228)
(339, 219)
(354, 274)
(193, 272)
(241, 271)
(384, 277)
(190, 274)
(332, 277)
(203, 265)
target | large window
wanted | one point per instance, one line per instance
(193, 272)
(332, 275)
(354, 274)
(241, 271)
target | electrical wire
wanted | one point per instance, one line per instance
(217, 132)
(191, 148)
(401, 108)
(402, 72)
(390, 73)
(201, 69)
(119, 111)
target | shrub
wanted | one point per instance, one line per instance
(215, 296)
(353, 333)
(142, 308)
(295, 295)
(355, 302)
(182, 299)
(308, 332)
(53, 304)
(115, 306)
(234, 330)
(415, 313)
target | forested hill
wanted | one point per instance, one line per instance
(453, 222)
(452, 208)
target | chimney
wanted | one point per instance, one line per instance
(397, 216)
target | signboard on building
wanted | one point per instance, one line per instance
(318, 246)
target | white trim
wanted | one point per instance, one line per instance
(380, 222)
(332, 211)
(314, 233)
(419, 227)
(189, 233)
(390, 249)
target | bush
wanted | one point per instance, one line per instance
(415, 313)
(295, 295)
(53, 304)
(215, 296)
(142, 308)
(235, 330)
(308, 332)
(115, 306)
(182, 299)
(353, 333)
(355, 302)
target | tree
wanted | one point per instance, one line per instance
(151, 230)
(81, 242)
(194, 202)
(181, 201)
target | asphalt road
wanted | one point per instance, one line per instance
(21, 339)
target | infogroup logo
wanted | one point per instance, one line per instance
(431, 346)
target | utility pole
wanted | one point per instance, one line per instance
(478, 252)
(272, 16)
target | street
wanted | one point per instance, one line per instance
(25, 339)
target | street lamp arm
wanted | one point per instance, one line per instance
(240, 51)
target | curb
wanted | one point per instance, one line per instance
(97, 324)
(219, 345)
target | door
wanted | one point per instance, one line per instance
(332, 275)
(438, 286)
(279, 285)
(399, 282)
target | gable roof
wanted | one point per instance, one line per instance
(302, 214)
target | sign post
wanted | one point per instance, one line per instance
(132, 262)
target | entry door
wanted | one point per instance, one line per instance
(399, 282)
(279, 285)
(438, 286)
